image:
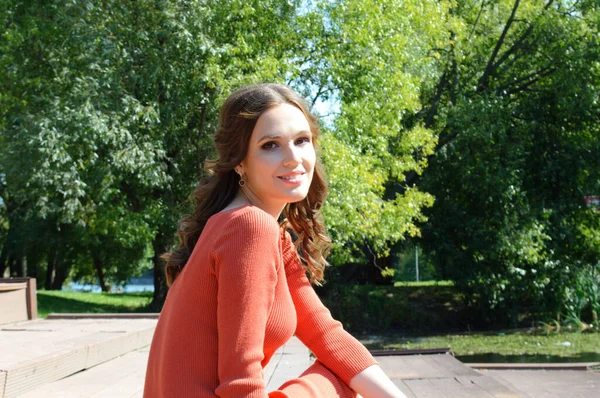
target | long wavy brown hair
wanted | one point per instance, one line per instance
(237, 119)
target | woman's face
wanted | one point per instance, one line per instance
(280, 162)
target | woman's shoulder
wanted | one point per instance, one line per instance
(247, 218)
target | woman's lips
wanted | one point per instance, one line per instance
(292, 178)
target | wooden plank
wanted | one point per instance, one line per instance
(109, 349)
(13, 305)
(404, 388)
(126, 375)
(424, 388)
(32, 298)
(39, 371)
(413, 367)
(36, 353)
(7, 287)
(121, 377)
(411, 351)
(2, 382)
(15, 280)
(441, 375)
(28, 285)
(469, 385)
(550, 383)
(19, 347)
(536, 366)
(495, 388)
(452, 388)
(398, 367)
(28, 340)
(454, 366)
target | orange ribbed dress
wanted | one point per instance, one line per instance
(241, 296)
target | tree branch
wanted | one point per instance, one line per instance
(319, 92)
(513, 48)
(436, 100)
(489, 69)
(518, 43)
(537, 77)
(477, 20)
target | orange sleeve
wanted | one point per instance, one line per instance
(245, 262)
(337, 349)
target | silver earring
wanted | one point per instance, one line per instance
(242, 181)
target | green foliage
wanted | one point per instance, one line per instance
(107, 111)
(517, 117)
(378, 56)
(404, 267)
(582, 300)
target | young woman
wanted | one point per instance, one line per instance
(239, 287)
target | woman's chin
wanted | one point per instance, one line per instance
(297, 197)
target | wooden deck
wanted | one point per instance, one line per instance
(107, 358)
(441, 375)
(35, 353)
(122, 377)
(551, 383)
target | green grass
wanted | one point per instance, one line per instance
(71, 302)
(515, 343)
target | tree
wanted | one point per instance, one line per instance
(107, 113)
(516, 114)
(373, 58)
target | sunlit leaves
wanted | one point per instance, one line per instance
(377, 58)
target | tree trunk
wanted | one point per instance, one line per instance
(3, 260)
(20, 267)
(100, 273)
(60, 274)
(17, 269)
(31, 268)
(160, 246)
(50, 270)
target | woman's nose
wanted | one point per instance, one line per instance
(292, 156)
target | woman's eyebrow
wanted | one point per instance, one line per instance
(268, 137)
(275, 137)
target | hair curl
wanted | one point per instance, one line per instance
(237, 119)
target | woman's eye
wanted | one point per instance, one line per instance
(302, 140)
(269, 145)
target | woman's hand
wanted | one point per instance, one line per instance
(374, 383)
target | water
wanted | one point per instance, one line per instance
(135, 286)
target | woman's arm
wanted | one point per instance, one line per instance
(373, 383)
(245, 265)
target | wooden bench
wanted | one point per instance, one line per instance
(18, 300)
